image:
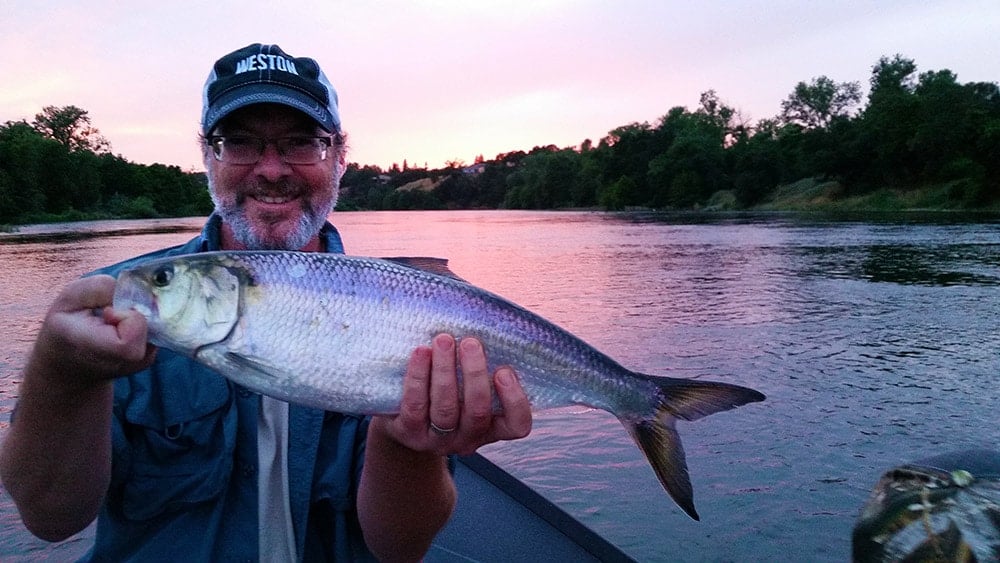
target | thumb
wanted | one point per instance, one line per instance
(133, 332)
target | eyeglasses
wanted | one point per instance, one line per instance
(242, 149)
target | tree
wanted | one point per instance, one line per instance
(888, 123)
(493, 181)
(733, 127)
(48, 172)
(947, 120)
(626, 152)
(615, 196)
(689, 163)
(457, 190)
(817, 104)
(71, 127)
(690, 170)
(22, 158)
(892, 77)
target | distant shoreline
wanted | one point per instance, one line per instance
(851, 211)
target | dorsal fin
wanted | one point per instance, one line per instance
(437, 266)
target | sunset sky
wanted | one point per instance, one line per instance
(434, 80)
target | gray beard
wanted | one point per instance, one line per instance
(312, 220)
(310, 223)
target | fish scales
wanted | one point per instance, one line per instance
(336, 332)
(364, 304)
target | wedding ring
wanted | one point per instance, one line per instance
(441, 431)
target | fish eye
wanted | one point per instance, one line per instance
(163, 275)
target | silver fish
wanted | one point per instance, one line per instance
(335, 332)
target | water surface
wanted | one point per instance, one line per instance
(874, 338)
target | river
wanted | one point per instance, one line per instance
(875, 340)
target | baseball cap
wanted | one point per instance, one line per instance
(265, 74)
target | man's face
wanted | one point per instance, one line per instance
(272, 205)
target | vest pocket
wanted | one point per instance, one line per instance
(176, 444)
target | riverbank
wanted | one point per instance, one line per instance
(807, 195)
(831, 196)
(811, 195)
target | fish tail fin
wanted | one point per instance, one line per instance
(657, 435)
(661, 443)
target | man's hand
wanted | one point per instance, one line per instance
(437, 414)
(56, 460)
(84, 341)
(406, 494)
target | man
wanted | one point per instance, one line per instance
(175, 460)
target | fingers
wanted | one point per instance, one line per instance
(94, 292)
(480, 423)
(444, 413)
(516, 420)
(444, 404)
(477, 411)
(413, 409)
(132, 334)
(76, 341)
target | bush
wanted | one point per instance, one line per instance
(139, 208)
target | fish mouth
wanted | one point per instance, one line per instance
(130, 295)
(143, 310)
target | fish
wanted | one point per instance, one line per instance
(335, 332)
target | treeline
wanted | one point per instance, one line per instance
(914, 132)
(58, 168)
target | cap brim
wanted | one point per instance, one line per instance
(269, 94)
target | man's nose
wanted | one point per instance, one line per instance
(271, 165)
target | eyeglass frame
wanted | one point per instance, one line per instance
(216, 142)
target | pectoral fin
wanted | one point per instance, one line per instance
(255, 365)
(242, 369)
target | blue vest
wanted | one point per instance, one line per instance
(184, 462)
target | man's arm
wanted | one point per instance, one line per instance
(56, 459)
(406, 494)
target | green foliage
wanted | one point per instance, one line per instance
(548, 178)
(615, 196)
(70, 126)
(49, 171)
(138, 208)
(817, 104)
(927, 134)
(411, 200)
(922, 140)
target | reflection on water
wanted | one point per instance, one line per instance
(944, 265)
(874, 339)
